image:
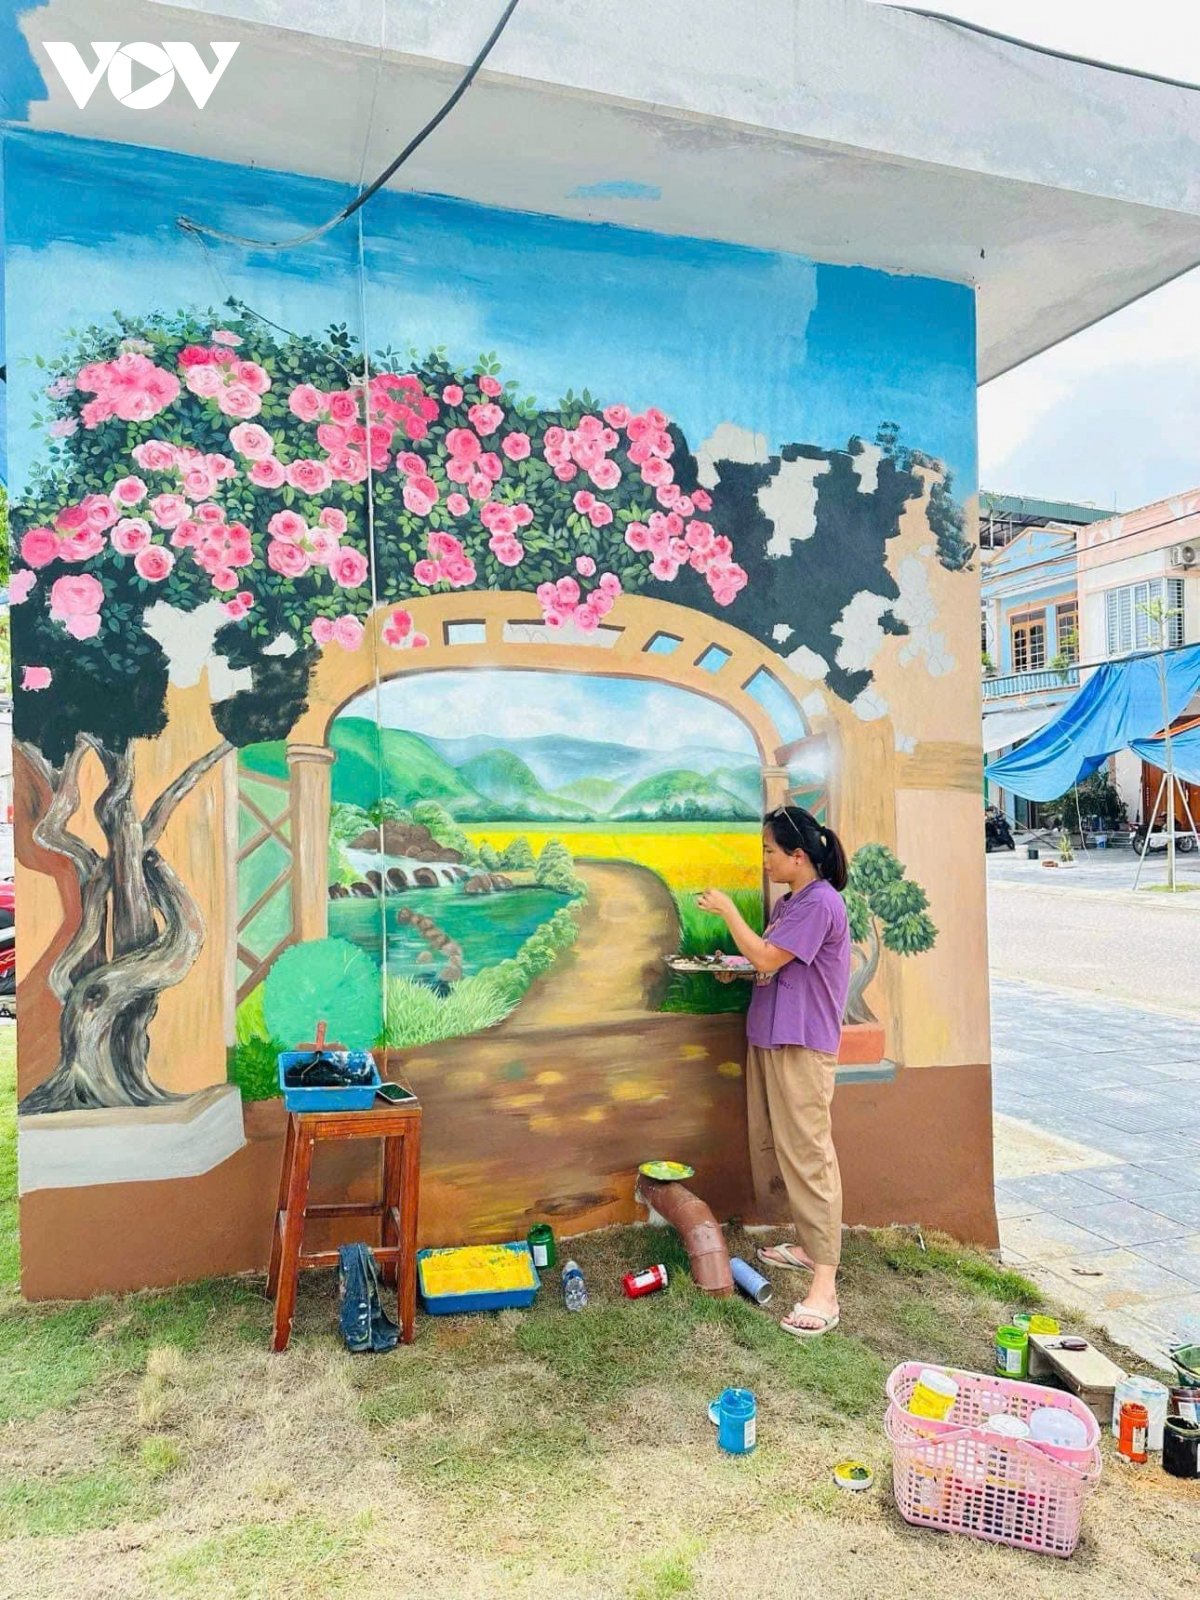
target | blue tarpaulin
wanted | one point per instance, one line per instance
(1121, 703)
(1185, 753)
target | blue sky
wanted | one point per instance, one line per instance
(526, 705)
(708, 332)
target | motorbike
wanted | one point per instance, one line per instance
(997, 835)
(8, 953)
(1185, 843)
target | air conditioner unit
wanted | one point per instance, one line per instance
(1185, 555)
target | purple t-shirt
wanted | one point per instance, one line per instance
(804, 1001)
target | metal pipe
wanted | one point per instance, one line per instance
(697, 1227)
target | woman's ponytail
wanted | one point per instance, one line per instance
(802, 831)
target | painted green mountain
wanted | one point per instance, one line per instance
(681, 796)
(411, 770)
(512, 790)
(597, 794)
(744, 782)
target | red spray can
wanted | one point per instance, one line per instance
(648, 1281)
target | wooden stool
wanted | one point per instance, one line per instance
(400, 1129)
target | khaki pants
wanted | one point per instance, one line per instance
(788, 1096)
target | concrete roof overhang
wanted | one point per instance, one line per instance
(840, 130)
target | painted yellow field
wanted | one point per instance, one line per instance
(690, 856)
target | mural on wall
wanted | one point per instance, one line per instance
(427, 688)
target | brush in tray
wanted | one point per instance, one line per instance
(739, 966)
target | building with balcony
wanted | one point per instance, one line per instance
(1029, 636)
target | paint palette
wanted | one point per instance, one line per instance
(666, 1171)
(739, 966)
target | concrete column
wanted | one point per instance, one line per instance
(308, 772)
(775, 787)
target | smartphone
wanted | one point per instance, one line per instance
(394, 1093)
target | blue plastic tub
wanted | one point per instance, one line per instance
(356, 1097)
(450, 1305)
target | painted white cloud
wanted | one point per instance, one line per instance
(790, 500)
(870, 706)
(866, 465)
(859, 629)
(807, 663)
(814, 705)
(782, 632)
(918, 609)
(729, 442)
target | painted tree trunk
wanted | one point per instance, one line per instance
(864, 966)
(140, 932)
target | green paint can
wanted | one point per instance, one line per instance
(540, 1239)
(1012, 1352)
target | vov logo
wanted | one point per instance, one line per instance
(117, 61)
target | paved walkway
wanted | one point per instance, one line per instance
(1098, 1156)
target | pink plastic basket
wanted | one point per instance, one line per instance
(956, 1477)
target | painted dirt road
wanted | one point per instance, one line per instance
(615, 969)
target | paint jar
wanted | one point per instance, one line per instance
(1149, 1393)
(1012, 1352)
(636, 1284)
(1181, 1448)
(1046, 1326)
(750, 1282)
(933, 1395)
(1185, 1403)
(737, 1421)
(540, 1240)
(1132, 1428)
(1056, 1426)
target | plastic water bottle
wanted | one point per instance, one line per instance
(573, 1287)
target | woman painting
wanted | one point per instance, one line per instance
(793, 1029)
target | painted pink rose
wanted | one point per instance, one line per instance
(343, 406)
(194, 355)
(322, 545)
(239, 606)
(460, 470)
(348, 632)
(183, 536)
(224, 579)
(441, 544)
(63, 428)
(600, 515)
(334, 520)
(601, 603)
(479, 487)
(415, 500)
(156, 455)
(585, 566)
(610, 584)
(19, 585)
(452, 394)
(239, 400)
(463, 444)
(397, 630)
(457, 505)
(584, 501)
(210, 513)
(587, 453)
(349, 466)
(616, 416)
(199, 481)
(508, 551)
(637, 536)
(169, 510)
(287, 526)
(490, 386)
(252, 375)
(82, 546)
(606, 474)
(491, 466)
(485, 418)
(288, 560)
(516, 446)
(566, 472)
(268, 474)
(458, 571)
(306, 402)
(567, 592)
(587, 617)
(154, 563)
(702, 500)
(221, 467)
(227, 337)
(94, 412)
(332, 436)
(75, 599)
(409, 462)
(498, 519)
(252, 441)
(349, 568)
(204, 381)
(665, 566)
(310, 477)
(523, 514)
(656, 472)
(34, 678)
(60, 388)
(71, 519)
(132, 534)
(129, 491)
(427, 573)
(99, 511)
(322, 630)
(39, 546)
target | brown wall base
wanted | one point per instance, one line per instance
(917, 1149)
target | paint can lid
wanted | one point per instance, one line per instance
(666, 1171)
(853, 1475)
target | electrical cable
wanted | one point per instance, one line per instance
(1042, 49)
(189, 225)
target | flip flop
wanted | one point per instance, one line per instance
(787, 1263)
(828, 1324)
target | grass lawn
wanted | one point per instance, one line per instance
(151, 1448)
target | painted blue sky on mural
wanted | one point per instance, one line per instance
(822, 352)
